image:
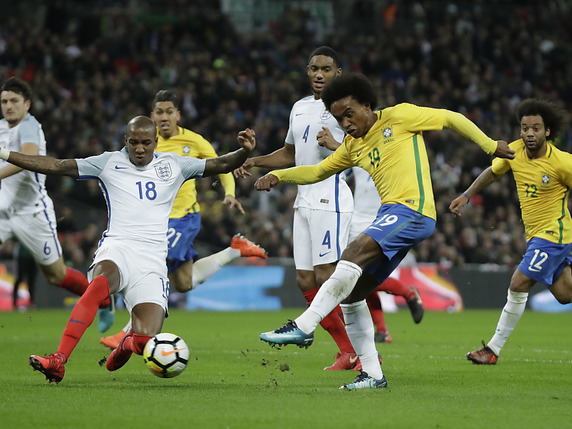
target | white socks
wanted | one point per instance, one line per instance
(359, 327)
(511, 313)
(331, 293)
(209, 265)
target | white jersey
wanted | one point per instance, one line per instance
(366, 198)
(307, 118)
(139, 199)
(23, 192)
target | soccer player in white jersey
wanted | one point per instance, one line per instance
(26, 210)
(322, 211)
(139, 187)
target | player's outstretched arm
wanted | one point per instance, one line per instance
(41, 164)
(281, 158)
(481, 182)
(230, 161)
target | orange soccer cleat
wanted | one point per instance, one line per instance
(247, 247)
(113, 340)
(52, 366)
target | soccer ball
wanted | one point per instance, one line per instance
(166, 355)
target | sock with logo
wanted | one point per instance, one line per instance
(360, 331)
(83, 314)
(331, 293)
(333, 324)
(511, 314)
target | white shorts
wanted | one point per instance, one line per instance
(319, 237)
(35, 231)
(360, 222)
(143, 277)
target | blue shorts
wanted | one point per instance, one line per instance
(181, 234)
(544, 261)
(396, 229)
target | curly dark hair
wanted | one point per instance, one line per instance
(553, 116)
(351, 84)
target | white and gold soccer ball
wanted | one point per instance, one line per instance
(166, 355)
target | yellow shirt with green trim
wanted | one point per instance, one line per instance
(543, 186)
(189, 143)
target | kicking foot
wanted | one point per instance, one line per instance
(415, 305)
(119, 356)
(288, 334)
(343, 361)
(247, 247)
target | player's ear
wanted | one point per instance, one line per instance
(547, 132)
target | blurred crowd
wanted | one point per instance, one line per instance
(95, 65)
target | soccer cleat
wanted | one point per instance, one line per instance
(484, 356)
(343, 361)
(358, 366)
(113, 340)
(383, 337)
(119, 356)
(52, 366)
(247, 247)
(364, 381)
(106, 316)
(288, 334)
(415, 305)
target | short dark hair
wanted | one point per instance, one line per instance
(327, 52)
(350, 84)
(553, 116)
(18, 86)
(166, 95)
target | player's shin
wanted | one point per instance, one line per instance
(361, 333)
(331, 293)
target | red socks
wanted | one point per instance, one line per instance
(136, 343)
(83, 314)
(374, 305)
(333, 324)
(395, 287)
(74, 281)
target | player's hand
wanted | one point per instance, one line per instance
(266, 182)
(242, 171)
(457, 204)
(247, 139)
(326, 139)
(503, 150)
(232, 203)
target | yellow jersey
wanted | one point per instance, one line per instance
(543, 186)
(189, 143)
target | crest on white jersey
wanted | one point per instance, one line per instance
(325, 115)
(164, 171)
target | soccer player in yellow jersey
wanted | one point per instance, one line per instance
(543, 176)
(185, 271)
(389, 145)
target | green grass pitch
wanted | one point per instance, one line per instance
(235, 381)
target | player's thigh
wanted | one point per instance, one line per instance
(180, 236)
(37, 233)
(55, 272)
(562, 287)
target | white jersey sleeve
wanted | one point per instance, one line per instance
(23, 192)
(307, 118)
(366, 198)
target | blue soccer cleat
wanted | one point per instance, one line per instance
(364, 381)
(106, 316)
(288, 334)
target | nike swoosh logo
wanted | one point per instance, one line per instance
(164, 353)
(117, 167)
(358, 154)
(77, 321)
(353, 359)
(298, 114)
(324, 254)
